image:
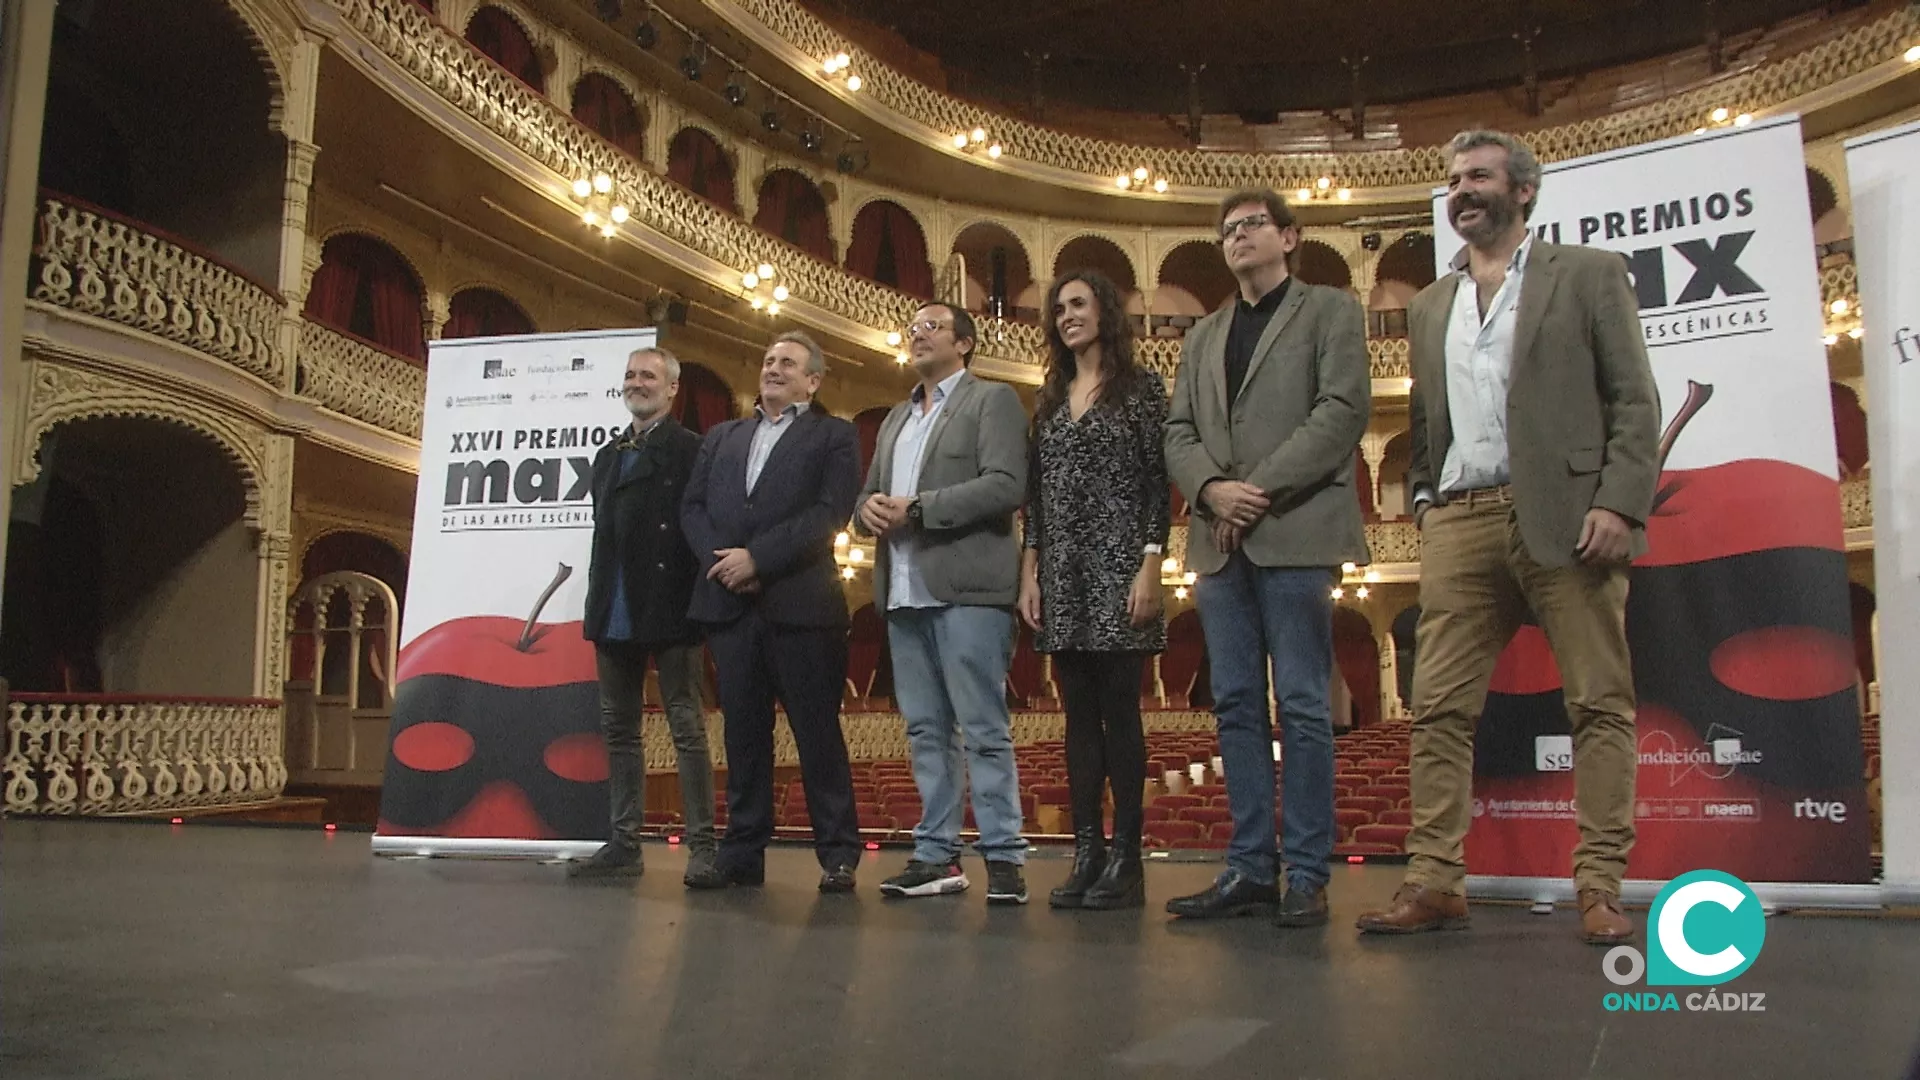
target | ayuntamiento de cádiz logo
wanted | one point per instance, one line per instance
(1704, 929)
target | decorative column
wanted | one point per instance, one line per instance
(297, 262)
(436, 310)
(273, 542)
(750, 170)
(1391, 707)
(1373, 447)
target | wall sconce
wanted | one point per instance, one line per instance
(1141, 179)
(1322, 190)
(761, 290)
(598, 207)
(839, 68)
(977, 141)
(1353, 578)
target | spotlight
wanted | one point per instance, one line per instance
(690, 67)
(853, 157)
(736, 91)
(811, 141)
(608, 10)
(646, 35)
(770, 120)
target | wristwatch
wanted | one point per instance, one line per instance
(914, 511)
(1154, 549)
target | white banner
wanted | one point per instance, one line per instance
(1881, 172)
(495, 720)
(1737, 616)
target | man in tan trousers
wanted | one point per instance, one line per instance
(1535, 426)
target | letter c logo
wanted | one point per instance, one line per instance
(1673, 934)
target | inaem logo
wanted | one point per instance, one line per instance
(1705, 928)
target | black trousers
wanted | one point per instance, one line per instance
(1105, 743)
(805, 669)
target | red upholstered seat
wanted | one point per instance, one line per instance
(1394, 835)
(1399, 815)
(1370, 803)
(1175, 802)
(1164, 833)
(1053, 795)
(1206, 815)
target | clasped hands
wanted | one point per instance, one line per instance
(733, 568)
(1237, 506)
(881, 514)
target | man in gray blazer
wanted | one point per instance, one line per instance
(949, 471)
(1270, 402)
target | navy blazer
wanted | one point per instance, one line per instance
(804, 498)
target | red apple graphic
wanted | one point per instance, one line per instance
(496, 732)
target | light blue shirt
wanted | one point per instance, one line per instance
(1479, 369)
(905, 587)
(767, 435)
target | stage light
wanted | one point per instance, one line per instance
(690, 66)
(1323, 183)
(735, 92)
(588, 217)
(582, 188)
(674, 839)
(773, 309)
(780, 293)
(178, 821)
(1356, 860)
(1361, 592)
(756, 303)
(607, 231)
(770, 120)
(1338, 592)
(900, 359)
(810, 141)
(646, 35)
(749, 280)
(1719, 115)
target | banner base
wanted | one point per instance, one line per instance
(1774, 894)
(486, 848)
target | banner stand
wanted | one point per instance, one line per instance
(484, 848)
(1774, 894)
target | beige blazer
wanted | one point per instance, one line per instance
(1583, 414)
(1291, 431)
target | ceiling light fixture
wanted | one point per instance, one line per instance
(599, 207)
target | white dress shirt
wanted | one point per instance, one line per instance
(767, 435)
(1479, 368)
(905, 587)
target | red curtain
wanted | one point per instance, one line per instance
(795, 211)
(1359, 662)
(696, 162)
(1363, 484)
(494, 33)
(705, 399)
(888, 247)
(1849, 431)
(600, 104)
(364, 288)
(866, 426)
(484, 313)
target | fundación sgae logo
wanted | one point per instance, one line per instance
(1704, 929)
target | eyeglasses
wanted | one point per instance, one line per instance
(925, 326)
(1228, 229)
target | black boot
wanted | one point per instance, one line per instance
(1089, 860)
(1122, 885)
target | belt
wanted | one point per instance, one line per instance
(1499, 493)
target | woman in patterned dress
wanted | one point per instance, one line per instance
(1097, 519)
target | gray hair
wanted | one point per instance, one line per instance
(1523, 169)
(816, 360)
(667, 360)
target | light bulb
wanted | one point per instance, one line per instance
(1140, 173)
(856, 555)
(842, 539)
(1719, 115)
(773, 309)
(1123, 181)
(978, 134)
(1743, 120)
(1169, 565)
(1343, 194)
(847, 573)
(607, 230)
(582, 188)
(757, 303)
(750, 280)
(1338, 592)
(960, 141)
(589, 217)
(602, 183)
(900, 358)
(893, 339)
(1361, 592)
(1160, 186)
(620, 214)
(995, 151)
(1323, 183)
(1838, 307)
(841, 60)
(1348, 568)
(1912, 55)
(1180, 593)
(1191, 577)
(766, 271)
(1856, 333)
(853, 82)
(780, 293)
(1304, 194)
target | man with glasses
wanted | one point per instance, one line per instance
(949, 471)
(767, 496)
(1267, 411)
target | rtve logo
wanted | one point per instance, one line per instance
(1705, 928)
(1817, 810)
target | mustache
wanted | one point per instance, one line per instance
(1464, 202)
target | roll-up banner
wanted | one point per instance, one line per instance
(496, 733)
(1882, 171)
(1737, 617)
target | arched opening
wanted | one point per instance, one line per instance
(1395, 459)
(794, 210)
(1404, 625)
(696, 162)
(365, 288)
(1849, 431)
(1183, 667)
(1319, 264)
(999, 273)
(866, 425)
(1103, 255)
(1406, 267)
(128, 85)
(1194, 281)
(705, 399)
(130, 565)
(888, 247)
(482, 312)
(604, 107)
(503, 40)
(1356, 659)
(360, 553)
(1830, 222)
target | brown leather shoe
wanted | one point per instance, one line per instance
(1601, 920)
(1417, 909)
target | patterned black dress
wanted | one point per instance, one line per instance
(1096, 496)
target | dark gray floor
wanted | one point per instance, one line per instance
(200, 951)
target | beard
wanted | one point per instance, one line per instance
(1498, 212)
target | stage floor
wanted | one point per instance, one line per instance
(134, 950)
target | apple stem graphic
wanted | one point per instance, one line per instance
(1698, 395)
(527, 635)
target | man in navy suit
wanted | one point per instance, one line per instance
(767, 496)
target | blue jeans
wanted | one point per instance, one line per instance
(950, 676)
(1252, 615)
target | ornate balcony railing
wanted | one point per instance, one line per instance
(1387, 358)
(1393, 542)
(93, 261)
(97, 754)
(353, 378)
(1856, 503)
(1762, 87)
